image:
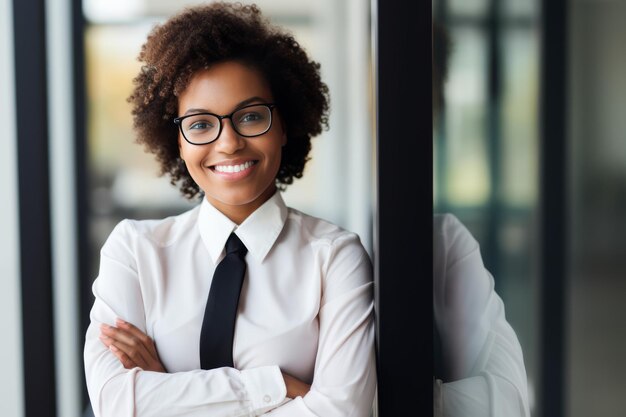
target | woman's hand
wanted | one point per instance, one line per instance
(131, 346)
(295, 387)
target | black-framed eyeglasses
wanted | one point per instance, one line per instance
(248, 121)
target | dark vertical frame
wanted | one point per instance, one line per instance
(554, 218)
(403, 240)
(81, 181)
(34, 204)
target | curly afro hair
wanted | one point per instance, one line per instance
(204, 35)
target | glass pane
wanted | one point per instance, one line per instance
(502, 220)
(519, 118)
(518, 193)
(473, 8)
(465, 143)
(597, 91)
(520, 8)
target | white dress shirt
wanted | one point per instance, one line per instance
(306, 308)
(481, 354)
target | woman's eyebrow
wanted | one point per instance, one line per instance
(240, 104)
(192, 111)
(250, 101)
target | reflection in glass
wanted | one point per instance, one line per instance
(519, 8)
(471, 8)
(519, 118)
(517, 235)
(486, 151)
(467, 181)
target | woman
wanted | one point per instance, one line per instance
(228, 104)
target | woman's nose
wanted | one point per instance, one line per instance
(229, 140)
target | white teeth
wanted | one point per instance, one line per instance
(233, 168)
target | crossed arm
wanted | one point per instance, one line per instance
(135, 349)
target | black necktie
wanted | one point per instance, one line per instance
(218, 327)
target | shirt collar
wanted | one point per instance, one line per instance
(258, 232)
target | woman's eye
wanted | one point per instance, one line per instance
(250, 117)
(200, 125)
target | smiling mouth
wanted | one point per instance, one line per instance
(233, 168)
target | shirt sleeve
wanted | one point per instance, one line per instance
(345, 373)
(482, 357)
(118, 392)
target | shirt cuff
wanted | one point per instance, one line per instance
(265, 386)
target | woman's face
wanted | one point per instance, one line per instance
(222, 89)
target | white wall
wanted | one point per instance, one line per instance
(11, 381)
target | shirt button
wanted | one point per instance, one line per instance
(267, 398)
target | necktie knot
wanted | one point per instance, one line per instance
(234, 244)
